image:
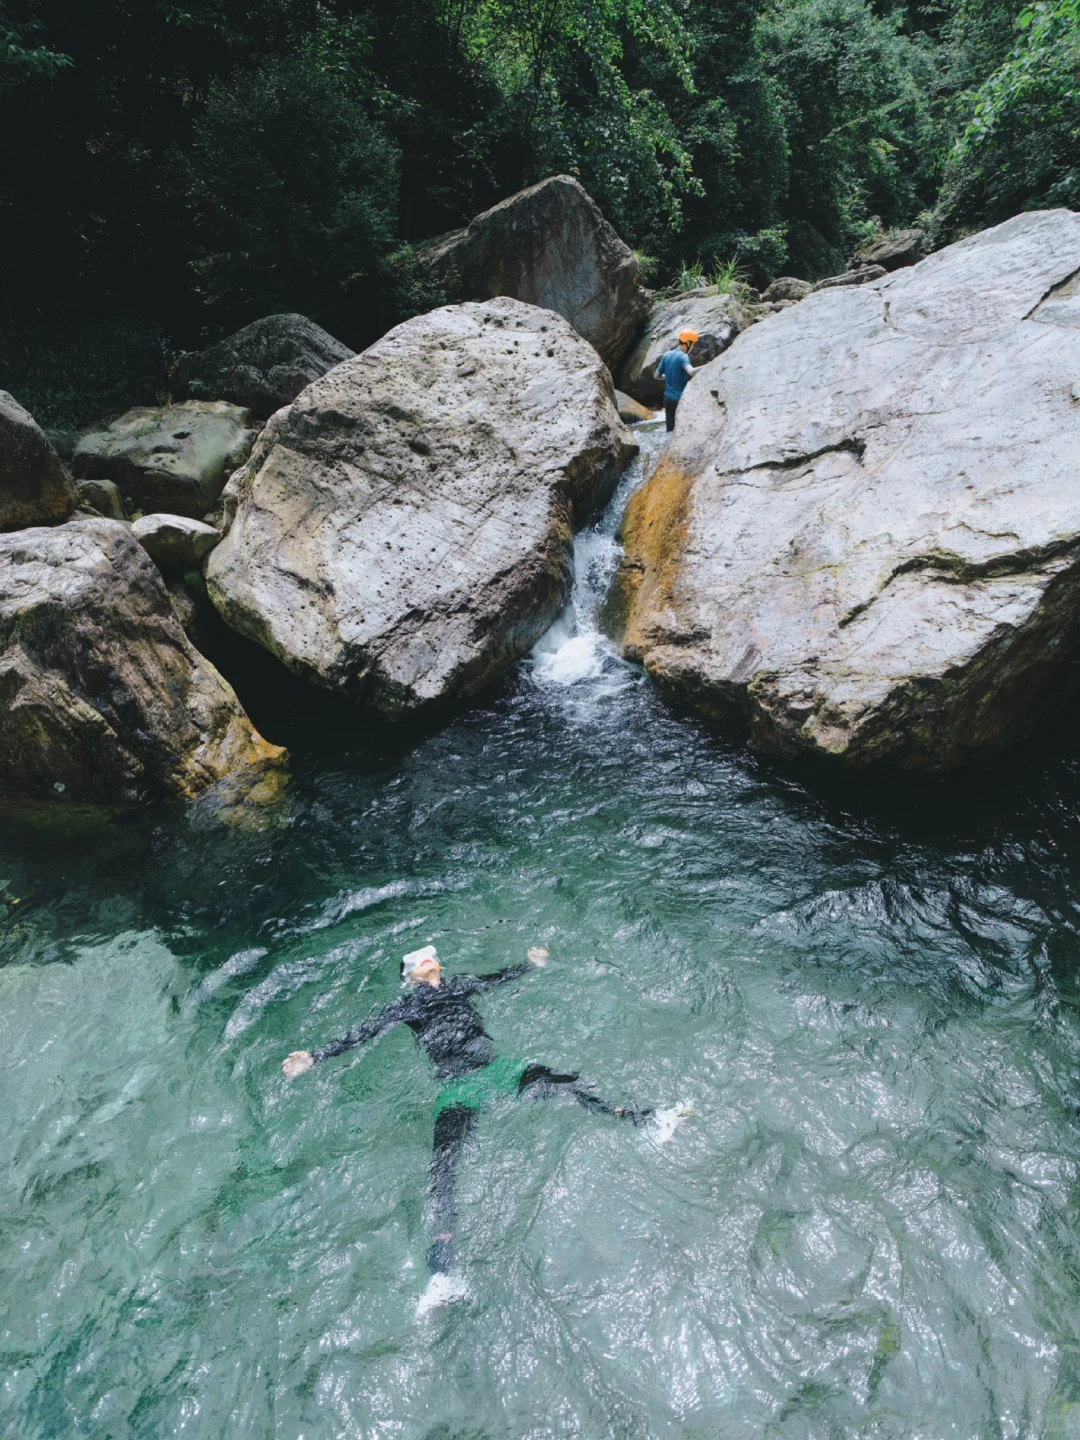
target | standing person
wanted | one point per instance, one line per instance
(675, 370)
(441, 1015)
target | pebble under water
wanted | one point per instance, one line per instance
(865, 996)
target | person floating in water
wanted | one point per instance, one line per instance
(675, 370)
(444, 1020)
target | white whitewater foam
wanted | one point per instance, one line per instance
(664, 1123)
(575, 650)
(441, 1290)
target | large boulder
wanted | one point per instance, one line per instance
(102, 698)
(549, 246)
(864, 539)
(35, 489)
(892, 251)
(174, 459)
(261, 367)
(717, 320)
(402, 532)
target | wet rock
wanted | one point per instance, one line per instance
(864, 539)
(35, 489)
(402, 532)
(787, 287)
(174, 542)
(174, 459)
(717, 320)
(629, 409)
(101, 496)
(863, 275)
(261, 367)
(103, 700)
(892, 251)
(549, 246)
(190, 603)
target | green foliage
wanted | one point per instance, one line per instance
(291, 189)
(857, 119)
(568, 104)
(1021, 147)
(21, 60)
(193, 164)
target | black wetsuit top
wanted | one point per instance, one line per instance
(443, 1019)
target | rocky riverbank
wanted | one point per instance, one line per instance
(860, 543)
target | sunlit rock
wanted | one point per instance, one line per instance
(863, 539)
(402, 532)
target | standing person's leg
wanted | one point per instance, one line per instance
(670, 406)
(539, 1081)
(452, 1127)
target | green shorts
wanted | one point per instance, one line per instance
(480, 1087)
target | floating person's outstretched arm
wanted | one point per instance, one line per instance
(395, 1014)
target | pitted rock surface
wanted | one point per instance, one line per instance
(35, 489)
(402, 532)
(263, 366)
(717, 320)
(549, 246)
(102, 698)
(864, 538)
(174, 459)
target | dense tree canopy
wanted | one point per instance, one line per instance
(172, 168)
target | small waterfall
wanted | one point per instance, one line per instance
(574, 650)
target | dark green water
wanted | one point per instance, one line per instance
(866, 1227)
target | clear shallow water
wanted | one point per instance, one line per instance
(867, 1227)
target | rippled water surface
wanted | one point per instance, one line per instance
(867, 1226)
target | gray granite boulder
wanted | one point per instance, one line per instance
(102, 698)
(35, 489)
(262, 367)
(892, 251)
(175, 542)
(402, 532)
(174, 459)
(864, 539)
(549, 246)
(717, 320)
(787, 287)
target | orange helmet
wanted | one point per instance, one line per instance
(688, 337)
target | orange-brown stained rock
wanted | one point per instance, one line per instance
(653, 533)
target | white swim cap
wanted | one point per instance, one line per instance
(418, 957)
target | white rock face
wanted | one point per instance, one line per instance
(717, 320)
(175, 459)
(102, 698)
(402, 532)
(864, 539)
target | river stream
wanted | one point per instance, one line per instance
(856, 1006)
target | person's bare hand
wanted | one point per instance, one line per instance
(297, 1063)
(538, 955)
